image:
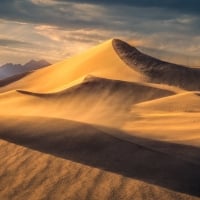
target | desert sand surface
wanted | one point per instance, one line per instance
(110, 123)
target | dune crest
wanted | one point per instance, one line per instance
(101, 61)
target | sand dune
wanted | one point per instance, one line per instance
(51, 177)
(189, 103)
(100, 61)
(105, 97)
(90, 146)
(111, 123)
(174, 119)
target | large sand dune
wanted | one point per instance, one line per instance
(101, 61)
(111, 123)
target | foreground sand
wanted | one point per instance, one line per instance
(47, 166)
(28, 174)
(101, 125)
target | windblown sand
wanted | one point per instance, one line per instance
(111, 123)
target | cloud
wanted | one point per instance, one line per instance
(170, 56)
(72, 41)
(183, 6)
(44, 2)
(68, 15)
(63, 28)
(15, 43)
(79, 35)
(96, 14)
(136, 16)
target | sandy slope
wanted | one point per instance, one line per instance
(104, 96)
(110, 169)
(35, 175)
(174, 118)
(184, 102)
(100, 61)
(141, 140)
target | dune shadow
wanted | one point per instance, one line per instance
(156, 70)
(141, 159)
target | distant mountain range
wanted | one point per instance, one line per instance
(10, 69)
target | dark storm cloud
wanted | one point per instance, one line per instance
(61, 15)
(122, 13)
(170, 24)
(188, 6)
(142, 16)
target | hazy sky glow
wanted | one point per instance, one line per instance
(57, 29)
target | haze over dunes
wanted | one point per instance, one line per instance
(110, 123)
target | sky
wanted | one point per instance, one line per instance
(58, 29)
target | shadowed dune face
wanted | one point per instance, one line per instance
(92, 146)
(156, 70)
